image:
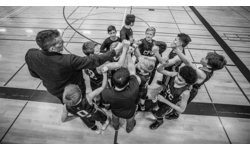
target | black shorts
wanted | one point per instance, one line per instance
(193, 93)
(143, 93)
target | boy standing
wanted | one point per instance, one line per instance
(108, 41)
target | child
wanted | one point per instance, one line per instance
(143, 69)
(108, 41)
(83, 107)
(158, 48)
(126, 32)
(145, 45)
(174, 62)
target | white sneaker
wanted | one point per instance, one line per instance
(98, 131)
(105, 125)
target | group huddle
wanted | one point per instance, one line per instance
(120, 72)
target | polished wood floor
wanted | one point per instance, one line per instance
(23, 121)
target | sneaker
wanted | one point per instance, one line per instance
(128, 131)
(156, 124)
(172, 115)
(96, 129)
(105, 125)
(142, 106)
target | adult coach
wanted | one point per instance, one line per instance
(57, 70)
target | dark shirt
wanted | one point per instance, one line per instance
(106, 44)
(123, 102)
(126, 33)
(83, 109)
(58, 70)
(146, 47)
(171, 93)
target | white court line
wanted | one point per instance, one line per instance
(12, 13)
(125, 12)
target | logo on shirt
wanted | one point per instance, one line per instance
(91, 74)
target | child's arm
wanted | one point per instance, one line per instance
(119, 64)
(65, 117)
(161, 70)
(131, 68)
(137, 51)
(155, 51)
(96, 92)
(182, 56)
(180, 107)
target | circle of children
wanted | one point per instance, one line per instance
(120, 72)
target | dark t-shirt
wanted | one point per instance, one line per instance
(106, 44)
(126, 33)
(123, 102)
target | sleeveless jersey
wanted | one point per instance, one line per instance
(94, 76)
(83, 109)
(146, 47)
(174, 67)
(171, 93)
(196, 86)
(208, 76)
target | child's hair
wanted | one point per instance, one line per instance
(47, 38)
(88, 47)
(71, 95)
(130, 18)
(185, 39)
(188, 74)
(151, 29)
(113, 45)
(110, 28)
(162, 46)
(216, 61)
(147, 64)
(121, 77)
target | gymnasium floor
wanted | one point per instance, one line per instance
(219, 114)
